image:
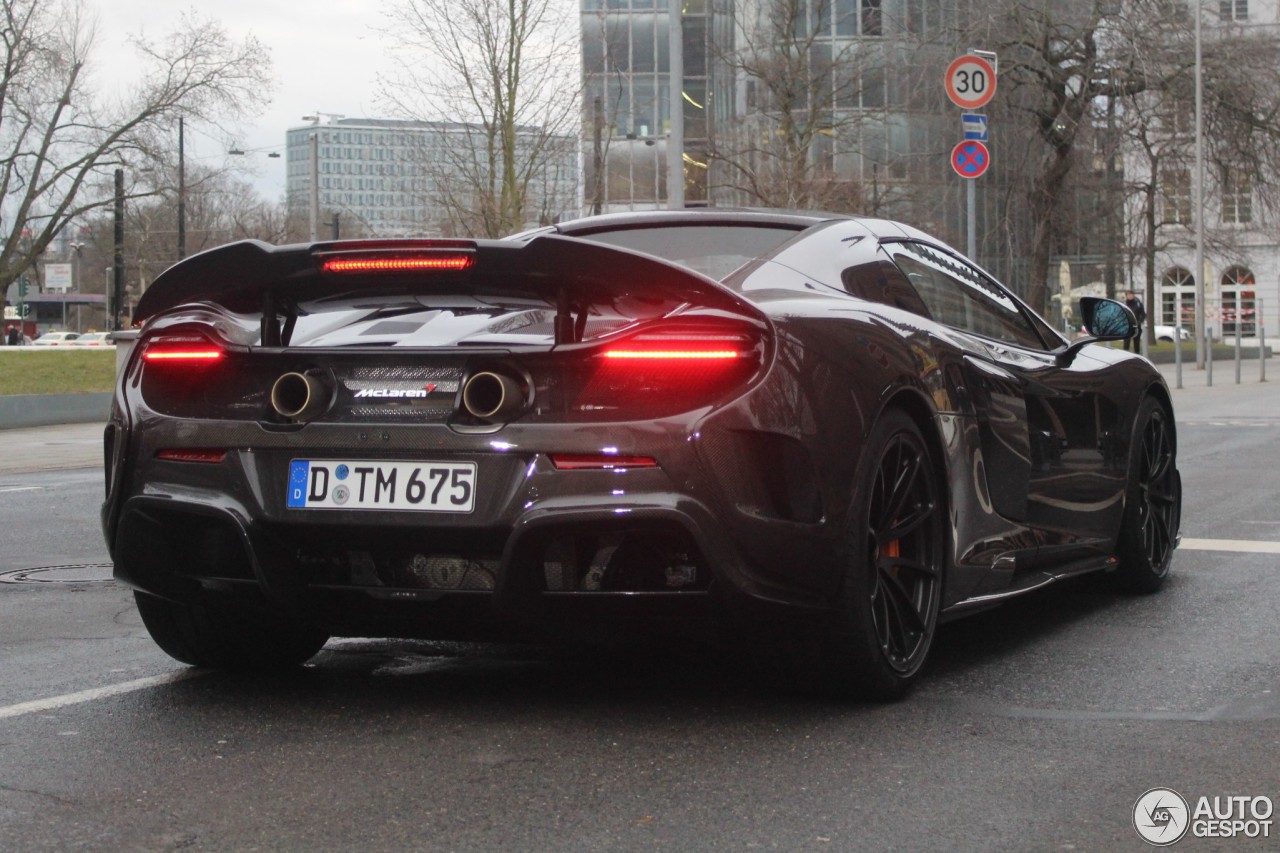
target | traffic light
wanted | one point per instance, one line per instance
(22, 287)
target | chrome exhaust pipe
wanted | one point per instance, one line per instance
(493, 396)
(299, 396)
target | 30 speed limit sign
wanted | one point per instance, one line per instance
(971, 81)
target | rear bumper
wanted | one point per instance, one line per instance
(655, 538)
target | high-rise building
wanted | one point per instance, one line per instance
(387, 177)
(627, 98)
(773, 92)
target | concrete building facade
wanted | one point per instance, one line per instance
(390, 178)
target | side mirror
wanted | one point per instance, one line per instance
(1107, 319)
(1104, 320)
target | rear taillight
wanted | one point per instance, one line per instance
(396, 257)
(706, 347)
(191, 350)
(442, 262)
(675, 367)
(182, 371)
(684, 350)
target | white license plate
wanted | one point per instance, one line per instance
(345, 484)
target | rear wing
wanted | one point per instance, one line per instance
(573, 277)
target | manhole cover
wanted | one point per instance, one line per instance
(81, 574)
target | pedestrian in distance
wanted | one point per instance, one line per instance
(12, 338)
(1140, 314)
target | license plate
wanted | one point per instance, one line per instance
(345, 484)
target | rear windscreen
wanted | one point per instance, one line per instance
(713, 250)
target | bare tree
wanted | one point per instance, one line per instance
(1241, 116)
(804, 94)
(1060, 61)
(60, 137)
(504, 75)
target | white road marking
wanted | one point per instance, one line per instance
(1243, 546)
(20, 489)
(55, 702)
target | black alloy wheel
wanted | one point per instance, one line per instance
(884, 620)
(901, 548)
(1153, 503)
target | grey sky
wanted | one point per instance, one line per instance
(326, 55)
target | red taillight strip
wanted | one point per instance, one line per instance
(391, 263)
(672, 354)
(600, 461)
(161, 353)
(192, 454)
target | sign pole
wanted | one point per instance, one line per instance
(970, 82)
(971, 215)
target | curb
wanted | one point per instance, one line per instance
(36, 410)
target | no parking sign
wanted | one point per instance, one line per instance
(970, 158)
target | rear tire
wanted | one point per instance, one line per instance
(225, 634)
(884, 621)
(1152, 503)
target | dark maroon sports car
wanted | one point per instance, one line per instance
(824, 430)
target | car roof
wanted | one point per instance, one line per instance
(798, 220)
(883, 229)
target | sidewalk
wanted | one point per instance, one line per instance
(1251, 399)
(50, 448)
(80, 445)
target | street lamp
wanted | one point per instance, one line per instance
(314, 155)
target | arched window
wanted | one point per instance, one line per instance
(1178, 287)
(1239, 300)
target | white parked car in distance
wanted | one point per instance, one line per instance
(55, 339)
(1165, 333)
(93, 339)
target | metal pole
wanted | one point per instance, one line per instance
(1237, 337)
(675, 143)
(315, 185)
(182, 195)
(117, 289)
(75, 282)
(597, 157)
(1201, 328)
(1177, 354)
(971, 206)
(1208, 355)
(1262, 344)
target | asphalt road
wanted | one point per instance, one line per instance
(1037, 726)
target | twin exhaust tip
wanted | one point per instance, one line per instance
(487, 396)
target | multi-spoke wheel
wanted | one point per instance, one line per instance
(1153, 502)
(885, 620)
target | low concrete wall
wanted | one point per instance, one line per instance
(35, 410)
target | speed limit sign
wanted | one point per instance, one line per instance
(971, 81)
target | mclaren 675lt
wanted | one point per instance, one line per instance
(830, 430)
